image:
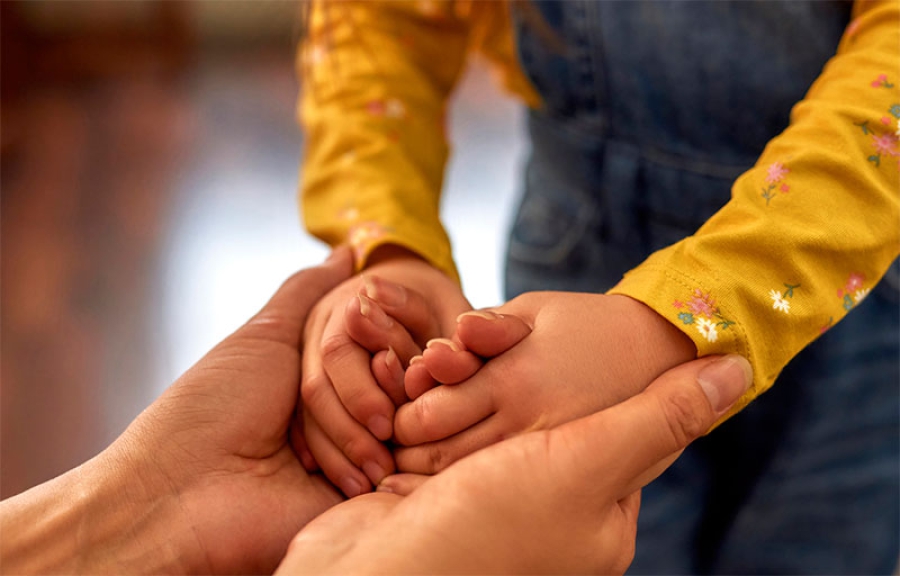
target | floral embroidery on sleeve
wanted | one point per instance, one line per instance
(775, 176)
(700, 310)
(361, 235)
(885, 144)
(882, 82)
(780, 300)
(853, 292)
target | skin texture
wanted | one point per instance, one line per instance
(481, 514)
(205, 480)
(586, 352)
(346, 414)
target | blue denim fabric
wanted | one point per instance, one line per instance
(652, 110)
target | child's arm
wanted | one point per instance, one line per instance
(586, 352)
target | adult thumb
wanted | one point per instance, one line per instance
(284, 316)
(626, 446)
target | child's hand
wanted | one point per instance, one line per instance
(586, 352)
(345, 414)
(444, 361)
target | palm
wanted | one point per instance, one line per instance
(224, 426)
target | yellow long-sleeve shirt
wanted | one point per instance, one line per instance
(808, 231)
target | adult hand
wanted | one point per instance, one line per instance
(586, 352)
(563, 501)
(205, 479)
(346, 414)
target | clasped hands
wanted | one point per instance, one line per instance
(212, 477)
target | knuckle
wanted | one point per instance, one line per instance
(312, 389)
(355, 448)
(437, 460)
(686, 417)
(336, 348)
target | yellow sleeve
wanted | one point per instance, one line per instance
(375, 78)
(810, 229)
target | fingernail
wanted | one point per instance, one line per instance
(380, 427)
(414, 359)
(486, 314)
(442, 342)
(350, 487)
(384, 292)
(374, 313)
(392, 361)
(384, 487)
(725, 380)
(375, 472)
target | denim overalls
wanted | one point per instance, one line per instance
(651, 112)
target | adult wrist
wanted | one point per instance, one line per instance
(96, 518)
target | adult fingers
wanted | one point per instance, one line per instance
(374, 330)
(634, 436)
(488, 333)
(284, 316)
(442, 412)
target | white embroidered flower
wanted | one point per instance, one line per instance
(315, 54)
(394, 108)
(708, 328)
(860, 294)
(779, 302)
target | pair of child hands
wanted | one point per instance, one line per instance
(338, 429)
(370, 406)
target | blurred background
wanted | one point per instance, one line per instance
(149, 168)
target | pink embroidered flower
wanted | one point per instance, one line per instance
(885, 144)
(886, 120)
(702, 304)
(784, 188)
(776, 172)
(678, 304)
(854, 283)
(362, 235)
(375, 107)
(882, 81)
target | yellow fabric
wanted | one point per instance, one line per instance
(809, 230)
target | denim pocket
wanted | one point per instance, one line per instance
(551, 224)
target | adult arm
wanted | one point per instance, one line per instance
(204, 480)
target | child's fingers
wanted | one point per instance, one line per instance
(448, 363)
(348, 370)
(489, 333)
(418, 380)
(442, 412)
(434, 457)
(370, 327)
(356, 443)
(388, 373)
(406, 306)
(335, 465)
